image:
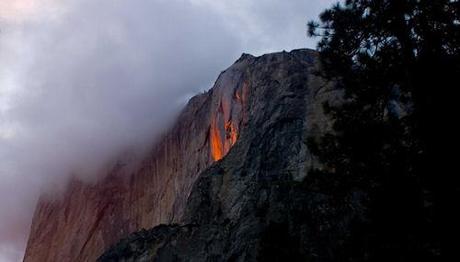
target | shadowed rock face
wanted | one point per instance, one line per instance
(225, 173)
(254, 204)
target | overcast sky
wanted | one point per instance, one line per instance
(81, 81)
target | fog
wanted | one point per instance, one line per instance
(83, 82)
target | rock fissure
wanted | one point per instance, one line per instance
(99, 216)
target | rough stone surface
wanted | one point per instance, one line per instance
(227, 181)
(257, 203)
(89, 218)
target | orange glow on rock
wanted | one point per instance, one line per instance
(231, 131)
(225, 122)
(216, 142)
(220, 145)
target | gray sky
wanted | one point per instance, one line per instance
(83, 81)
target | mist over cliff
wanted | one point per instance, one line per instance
(82, 82)
(90, 84)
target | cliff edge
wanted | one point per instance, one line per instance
(225, 178)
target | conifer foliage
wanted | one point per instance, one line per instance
(398, 63)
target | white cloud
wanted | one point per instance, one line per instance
(269, 25)
(18, 11)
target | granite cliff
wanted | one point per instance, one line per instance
(227, 182)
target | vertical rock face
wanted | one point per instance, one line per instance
(253, 204)
(250, 128)
(88, 218)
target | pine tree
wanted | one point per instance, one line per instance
(398, 63)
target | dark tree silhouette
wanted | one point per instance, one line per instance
(398, 62)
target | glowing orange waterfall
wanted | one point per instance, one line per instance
(225, 121)
(217, 146)
(221, 143)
